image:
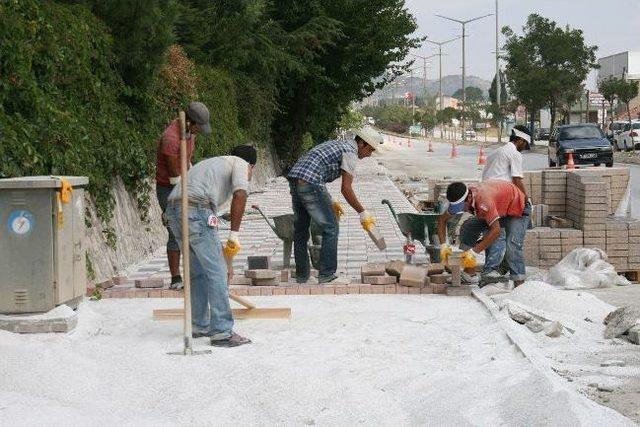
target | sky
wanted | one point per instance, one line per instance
(603, 24)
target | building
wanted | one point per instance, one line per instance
(627, 65)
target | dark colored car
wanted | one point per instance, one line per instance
(586, 141)
(543, 134)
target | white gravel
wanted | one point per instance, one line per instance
(341, 360)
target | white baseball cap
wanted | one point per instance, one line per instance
(370, 136)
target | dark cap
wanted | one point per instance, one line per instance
(198, 113)
(246, 152)
(457, 193)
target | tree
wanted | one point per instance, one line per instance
(503, 90)
(474, 94)
(343, 46)
(608, 89)
(446, 115)
(547, 64)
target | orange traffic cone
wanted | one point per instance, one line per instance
(454, 150)
(409, 142)
(570, 164)
(430, 150)
(482, 159)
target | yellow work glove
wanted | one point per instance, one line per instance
(232, 247)
(468, 259)
(337, 209)
(445, 251)
(367, 221)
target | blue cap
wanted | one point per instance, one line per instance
(456, 208)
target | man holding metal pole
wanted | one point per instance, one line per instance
(210, 184)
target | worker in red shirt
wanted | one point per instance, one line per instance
(497, 205)
(168, 172)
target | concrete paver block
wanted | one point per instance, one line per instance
(439, 279)
(260, 274)
(372, 269)
(395, 267)
(149, 282)
(379, 280)
(60, 319)
(258, 262)
(413, 276)
(239, 279)
(264, 282)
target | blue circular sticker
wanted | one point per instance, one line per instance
(20, 223)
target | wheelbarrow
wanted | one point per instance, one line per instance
(417, 226)
(282, 225)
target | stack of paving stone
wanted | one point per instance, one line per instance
(587, 198)
(428, 278)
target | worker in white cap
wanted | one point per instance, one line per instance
(503, 164)
(311, 199)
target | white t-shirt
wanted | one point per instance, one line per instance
(503, 164)
(215, 180)
(349, 163)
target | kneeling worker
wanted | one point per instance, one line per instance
(496, 205)
(311, 199)
(211, 183)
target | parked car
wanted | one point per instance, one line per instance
(629, 136)
(614, 130)
(470, 133)
(542, 134)
(586, 142)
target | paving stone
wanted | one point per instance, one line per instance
(435, 268)
(413, 276)
(440, 278)
(395, 267)
(260, 274)
(258, 262)
(238, 279)
(379, 280)
(264, 282)
(439, 288)
(150, 282)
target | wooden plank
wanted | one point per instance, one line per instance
(238, 313)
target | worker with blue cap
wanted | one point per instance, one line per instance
(497, 205)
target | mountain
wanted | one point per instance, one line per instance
(450, 84)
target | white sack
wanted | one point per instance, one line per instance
(585, 268)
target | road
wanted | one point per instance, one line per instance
(417, 161)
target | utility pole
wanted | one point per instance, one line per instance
(440, 96)
(498, 80)
(424, 74)
(464, 91)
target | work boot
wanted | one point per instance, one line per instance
(200, 334)
(469, 279)
(234, 340)
(176, 283)
(492, 277)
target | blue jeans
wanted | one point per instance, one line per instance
(311, 201)
(510, 243)
(210, 308)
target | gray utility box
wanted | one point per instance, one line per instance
(42, 254)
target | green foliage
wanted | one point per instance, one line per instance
(446, 115)
(547, 64)
(503, 89)
(341, 46)
(351, 119)
(394, 118)
(474, 94)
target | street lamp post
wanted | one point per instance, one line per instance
(464, 95)
(498, 81)
(440, 44)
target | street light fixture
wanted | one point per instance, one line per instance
(464, 95)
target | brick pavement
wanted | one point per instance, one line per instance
(256, 237)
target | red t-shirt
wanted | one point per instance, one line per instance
(169, 145)
(495, 199)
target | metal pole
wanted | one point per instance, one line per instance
(498, 82)
(440, 86)
(464, 91)
(587, 113)
(424, 82)
(413, 102)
